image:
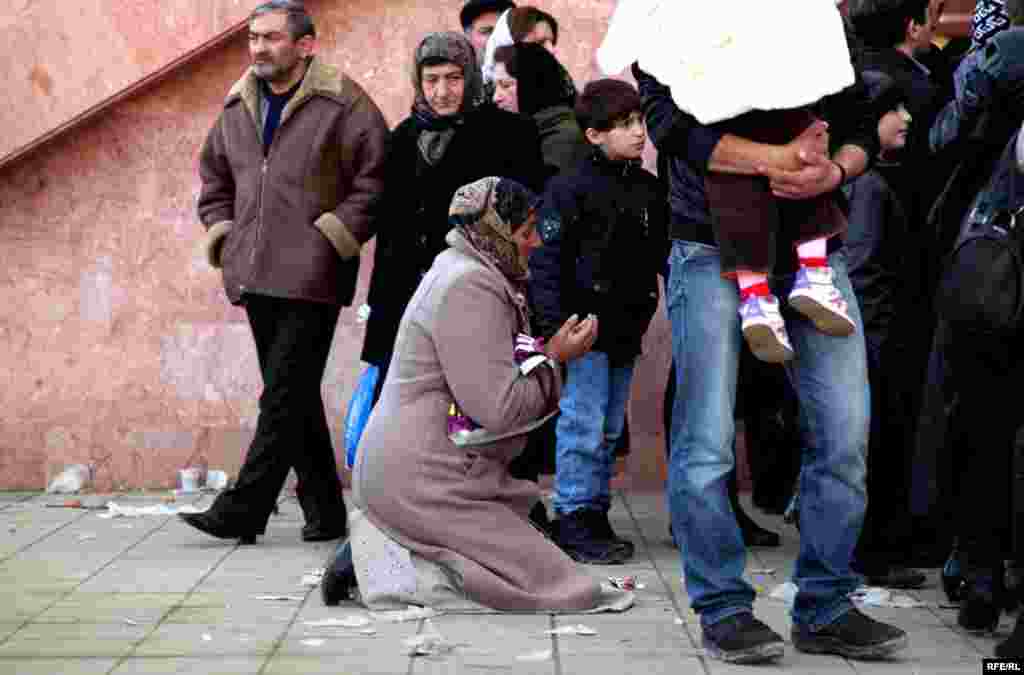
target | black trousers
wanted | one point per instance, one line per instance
(886, 537)
(987, 375)
(293, 340)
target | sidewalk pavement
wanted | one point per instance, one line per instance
(82, 594)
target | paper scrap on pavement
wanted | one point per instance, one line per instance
(312, 578)
(543, 655)
(876, 596)
(626, 583)
(86, 536)
(207, 637)
(679, 621)
(352, 621)
(428, 644)
(313, 642)
(412, 613)
(280, 598)
(115, 510)
(578, 629)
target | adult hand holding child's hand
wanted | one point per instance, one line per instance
(573, 339)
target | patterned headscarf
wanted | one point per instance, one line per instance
(990, 17)
(437, 131)
(486, 213)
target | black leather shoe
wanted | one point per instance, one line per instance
(319, 533)
(204, 522)
(756, 536)
(982, 600)
(579, 534)
(339, 578)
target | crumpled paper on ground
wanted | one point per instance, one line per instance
(428, 644)
(577, 629)
(115, 510)
(312, 578)
(411, 613)
(867, 596)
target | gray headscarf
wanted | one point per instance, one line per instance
(437, 131)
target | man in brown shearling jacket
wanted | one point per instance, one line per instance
(292, 172)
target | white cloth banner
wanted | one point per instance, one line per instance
(722, 62)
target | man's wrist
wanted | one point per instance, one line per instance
(842, 174)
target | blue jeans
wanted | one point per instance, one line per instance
(593, 409)
(830, 377)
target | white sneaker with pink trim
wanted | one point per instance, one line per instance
(764, 330)
(817, 298)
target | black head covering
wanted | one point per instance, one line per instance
(884, 91)
(542, 82)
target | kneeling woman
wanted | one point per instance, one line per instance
(439, 492)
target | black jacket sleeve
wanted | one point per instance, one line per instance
(551, 265)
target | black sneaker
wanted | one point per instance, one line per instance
(339, 580)
(741, 638)
(580, 535)
(604, 527)
(854, 635)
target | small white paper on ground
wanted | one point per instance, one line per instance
(86, 536)
(352, 621)
(119, 511)
(543, 655)
(207, 637)
(427, 644)
(679, 621)
(313, 642)
(280, 598)
(578, 629)
(412, 613)
(312, 578)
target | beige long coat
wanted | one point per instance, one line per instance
(458, 506)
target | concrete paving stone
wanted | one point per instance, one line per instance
(18, 606)
(47, 666)
(617, 632)
(125, 577)
(81, 607)
(8, 629)
(493, 641)
(190, 666)
(72, 640)
(793, 662)
(233, 608)
(209, 640)
(584, 661)
(363, 664)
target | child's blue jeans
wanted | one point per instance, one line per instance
(593, 408)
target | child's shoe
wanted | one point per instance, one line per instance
(764, 330)
(816, 297)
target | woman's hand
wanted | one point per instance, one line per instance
(573, 339)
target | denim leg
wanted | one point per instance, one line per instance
(581, 468)
(703, 310)
(831, 380)
(619, 385)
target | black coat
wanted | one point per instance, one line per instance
(417, 196)
(612, 246)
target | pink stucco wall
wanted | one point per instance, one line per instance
(117, 346)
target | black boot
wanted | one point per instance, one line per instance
(213, 526)
(606, 531)
(1013, 646)
(339, 578)
(982, 599)
(580, 535)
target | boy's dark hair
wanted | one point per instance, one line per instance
(522, 20)
(606, 102)
(883, 23)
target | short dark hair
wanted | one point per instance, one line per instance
(472, 10)
(883, 23)
(300, 23)
(606, 102)
(523, 20)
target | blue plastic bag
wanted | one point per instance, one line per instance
(359, 408)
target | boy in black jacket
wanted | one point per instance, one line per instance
(612, 216)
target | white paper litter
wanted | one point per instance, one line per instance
(679, 621)
(785, 592)
(120, 511)
(876, 596)
(86, 536)
(72, 479)
(578, 629)
(626, 583)
(207, 637)
(131, 622)
(352, 621)
(279, 598)
(312, 578)
(428, 644)
(543, 655)
(313, 642)
(412, 613)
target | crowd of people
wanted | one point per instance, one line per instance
(519, 241)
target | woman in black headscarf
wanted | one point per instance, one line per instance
(449, 140)
(529, 80)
